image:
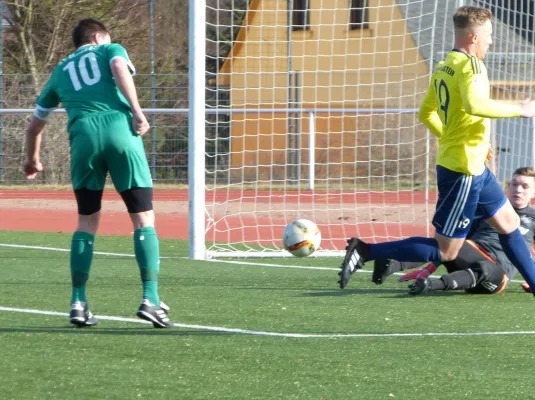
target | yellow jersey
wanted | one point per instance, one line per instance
(456, 109)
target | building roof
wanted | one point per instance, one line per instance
(511, 57)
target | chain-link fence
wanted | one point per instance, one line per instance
(166, 143)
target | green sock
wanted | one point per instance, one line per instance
(81, 257)
(147, 250)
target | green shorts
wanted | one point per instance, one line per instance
(106, 142)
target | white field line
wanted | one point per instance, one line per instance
(245, 331)
(270, 265)
(21, 246)
(277, 334)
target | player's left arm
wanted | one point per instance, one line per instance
(475, 96)
(428, 113)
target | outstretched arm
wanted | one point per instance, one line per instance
(476, 100)
(488, 108)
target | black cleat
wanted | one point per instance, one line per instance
(81, 316)
(353, 261)
(420, 286)
(156, 315)
(382, 269)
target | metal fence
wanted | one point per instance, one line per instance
(166, 143)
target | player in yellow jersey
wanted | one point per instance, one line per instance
(456, 109)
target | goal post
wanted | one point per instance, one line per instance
(196, 129)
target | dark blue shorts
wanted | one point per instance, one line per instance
(463, 199)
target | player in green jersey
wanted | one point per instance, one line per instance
(105, 125)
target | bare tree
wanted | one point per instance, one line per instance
(40, 36)
(40, 30)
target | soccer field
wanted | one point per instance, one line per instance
(250, 329)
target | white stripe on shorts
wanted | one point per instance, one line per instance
(447, 226)
(458, 207)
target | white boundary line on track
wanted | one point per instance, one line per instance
(21, 246)
(276, 334)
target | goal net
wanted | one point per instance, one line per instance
(311, 112)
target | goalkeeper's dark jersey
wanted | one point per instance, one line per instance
(487, 238)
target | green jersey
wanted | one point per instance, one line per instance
(84, 84)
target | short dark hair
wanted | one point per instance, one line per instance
(81, 34)
(468, 17)
(525, 171)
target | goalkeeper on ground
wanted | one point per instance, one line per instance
(481, 266)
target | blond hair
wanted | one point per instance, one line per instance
(469, 17)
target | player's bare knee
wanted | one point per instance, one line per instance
(510, 224)
(448, 251)
(449, 247)
(88, 223)
(506, 220)
(89, 203)
(142, 219)
(138, 201)
(448, 255)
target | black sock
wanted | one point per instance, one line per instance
(437, 284)
(458, 280)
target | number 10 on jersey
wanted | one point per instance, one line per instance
(88, 78)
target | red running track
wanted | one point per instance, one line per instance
(175, 226)
(220, 196)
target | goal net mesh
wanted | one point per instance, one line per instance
(312, 113)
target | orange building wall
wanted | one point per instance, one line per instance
(378, 67)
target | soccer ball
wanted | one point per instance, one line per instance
(301, 237)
